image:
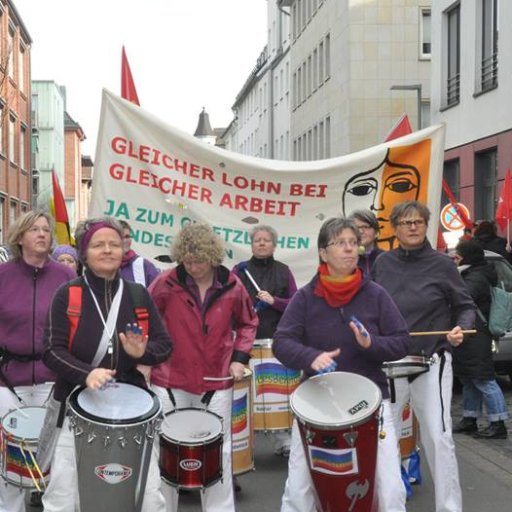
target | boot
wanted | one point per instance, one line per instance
(466, 425)
(495, 430)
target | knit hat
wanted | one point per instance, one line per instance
(65, 249)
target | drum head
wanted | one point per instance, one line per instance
(118, 403)
(24, 423)
(335, 399)
(191, 426)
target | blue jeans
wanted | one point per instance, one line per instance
(476, 392)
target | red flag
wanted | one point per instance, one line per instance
(460, 212)
(128, 91)
(504, 209)
(401, 128)
(60, 213)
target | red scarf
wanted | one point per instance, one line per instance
(337, 291)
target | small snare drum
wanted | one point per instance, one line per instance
(19, 439)
(191, 448)
(409, 365)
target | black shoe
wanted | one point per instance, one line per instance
(466, 426)
(236, 486)
(495, 430)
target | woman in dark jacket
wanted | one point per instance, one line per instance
(473, 363)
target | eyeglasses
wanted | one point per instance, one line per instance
(37, 229)
(364, 227)
(343, 243)
(410, 223)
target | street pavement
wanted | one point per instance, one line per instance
(485, 473)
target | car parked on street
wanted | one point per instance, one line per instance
(503, 345)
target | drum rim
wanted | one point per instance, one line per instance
(407, 361)
(263, 343)
(186, 443)
(330, 426)
(14, 436)
(77, 409)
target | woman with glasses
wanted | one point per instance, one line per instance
(432, 296)
(342, 319)
(368, 227)
(107, 344)
(27, 284)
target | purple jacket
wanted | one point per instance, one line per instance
(309, 326)
(25, 296)
(150, 271)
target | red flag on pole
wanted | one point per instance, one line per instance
(401, 128)
(504, 209)
(60, 213)
(128, 91)
(460, 212)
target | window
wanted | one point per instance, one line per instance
(23, 138)
(2, 203)
(451, 173)
(321, 63)
(489, 45)
(12, 212)
(2, 149)
(486, 172)
(21, 69)
(10, 54)
(425, 113)
(315, 69)
(425, 34)
(12, 147)
(328, 137)
(327, 56)
(453, 57)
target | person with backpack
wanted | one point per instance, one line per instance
(99, 328)
(472, 361)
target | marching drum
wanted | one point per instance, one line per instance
(338, 416)
(406, 367)
(242, 434)
(273, 384)
(191, 448)
(114, 430)
(19, 439)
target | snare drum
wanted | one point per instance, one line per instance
(19, 439)
(338, 414)
(409, 365)
(191, 448)
(113, 430)
(273, 384)
(242, 433)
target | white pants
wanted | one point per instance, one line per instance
(12, 499)
(431, 401)
(62, 492)
(218, 497)
(299, 495)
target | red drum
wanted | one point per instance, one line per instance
(191, 448)
(338, 416)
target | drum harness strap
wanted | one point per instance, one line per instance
(206, 399)
(442, 361)
(5, 357)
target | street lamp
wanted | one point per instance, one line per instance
(412, 87)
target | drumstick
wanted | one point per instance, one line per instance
(433, 333)
(21, 412)
(243, 266)
(218, 378)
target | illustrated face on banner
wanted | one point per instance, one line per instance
(401, 176)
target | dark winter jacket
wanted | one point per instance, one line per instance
(429, 292)
(73, 366)
(310, 326)
(473, 358)
(275, 278)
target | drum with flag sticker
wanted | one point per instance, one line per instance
(338, 416)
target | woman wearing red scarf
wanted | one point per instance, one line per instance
(317, 333)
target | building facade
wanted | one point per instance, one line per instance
(15, 122)
(471, 83)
